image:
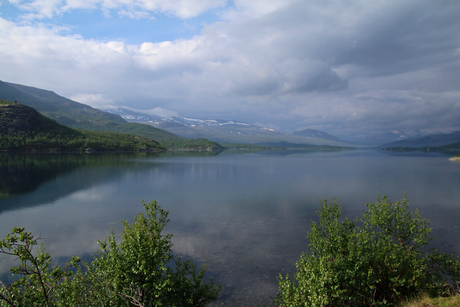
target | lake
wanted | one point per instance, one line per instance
(245, 215)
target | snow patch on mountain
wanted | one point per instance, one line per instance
(133, 116)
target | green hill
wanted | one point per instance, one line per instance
(22, 128)
(81, 116)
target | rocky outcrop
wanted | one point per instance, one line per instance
(17, 119)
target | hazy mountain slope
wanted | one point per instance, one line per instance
(453, 147)
(428, 141)
(318, 134)
(377, 138)
(247, 134)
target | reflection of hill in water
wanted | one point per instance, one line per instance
(30, 180)
(20, 174)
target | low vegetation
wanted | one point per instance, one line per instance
(378, 259)
(426, 301)
(139, 270)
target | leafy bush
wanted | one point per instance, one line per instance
(376, 260)
(140, 270)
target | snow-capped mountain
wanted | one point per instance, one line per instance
(225, 131)
(156, 120)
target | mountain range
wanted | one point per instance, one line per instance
(177, 131)
(234, 131)
(230, 131)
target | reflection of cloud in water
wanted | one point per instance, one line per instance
(97, 193)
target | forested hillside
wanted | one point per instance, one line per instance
(22, 128)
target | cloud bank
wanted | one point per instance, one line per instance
(342, 67)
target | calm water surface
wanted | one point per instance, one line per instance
(245, 215)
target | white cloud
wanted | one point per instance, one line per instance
(259, 7)
(131, 8)
(134, 14)
(168, 55)
(98, 101)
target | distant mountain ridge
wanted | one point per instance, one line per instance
(228, 131)
(427, 141)
(378, 138)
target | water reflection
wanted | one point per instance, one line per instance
(246, 216)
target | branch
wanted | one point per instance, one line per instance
(134, 301)
(8, 299)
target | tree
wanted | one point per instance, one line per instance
(39, 281)
(375, 260)
(140, 270)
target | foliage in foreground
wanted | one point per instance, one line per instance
(378, 259)
(140, 270)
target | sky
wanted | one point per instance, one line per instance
(341, 66)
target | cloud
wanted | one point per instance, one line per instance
(132, 8)
(98, 101)
(404, 36)
(134, 14)
(343, 66)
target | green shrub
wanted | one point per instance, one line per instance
(377, 259)
(140, 270)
